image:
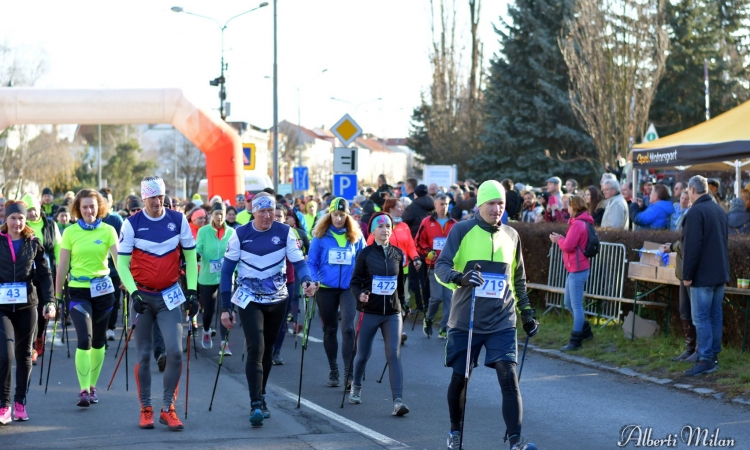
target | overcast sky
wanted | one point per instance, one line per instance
(371, 48)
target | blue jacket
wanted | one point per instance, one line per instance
(332, 275)
(656, 217)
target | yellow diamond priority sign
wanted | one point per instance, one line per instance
(346, 130)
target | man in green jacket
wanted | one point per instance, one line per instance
(482, 263)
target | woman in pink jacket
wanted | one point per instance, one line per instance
(578, 266)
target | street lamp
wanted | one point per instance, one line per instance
(220, 81)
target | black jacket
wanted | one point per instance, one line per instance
(415, 213)
(374, 260)
(30, 255)
(49, 238)
(513, 204)
(705, 244)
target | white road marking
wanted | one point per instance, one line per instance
(312, 339)
(372, 434)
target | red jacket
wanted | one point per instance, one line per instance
(401, 239)
(573, 244)
(430, 229)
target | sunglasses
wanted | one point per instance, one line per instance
(135, 210)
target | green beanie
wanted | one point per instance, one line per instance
(490, 190)
(30, 200)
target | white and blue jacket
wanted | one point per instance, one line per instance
(332, 275)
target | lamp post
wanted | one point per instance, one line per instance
(275, 106)
(220, 81)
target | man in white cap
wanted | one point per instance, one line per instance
(149, 266)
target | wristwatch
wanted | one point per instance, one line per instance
(226, 310)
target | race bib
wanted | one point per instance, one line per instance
(101, 286)
(495, 286)
(383, 285)
(242, 297)
(173, 297)
(215, 265)
(13, 294)
(341, 256)
(438, 243)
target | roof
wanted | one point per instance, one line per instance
(375, 145)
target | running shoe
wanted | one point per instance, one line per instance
(213, 332)
(333, 378)
(19, 413)
(227, 351)
(355, 395)
(298, 327)
(399, 408)
(34, 357)
(443, 333)
(39, 345)
(110, 335)
(83, 399)
(264, 408)
(147, 418)
(161, 361)
(276, 359)
(5, 415)
(256, 414)
(170, 419)
(524, 445)
(206, 342)
(454, 440)
(427, 328)
(92, 395)
(404, 337)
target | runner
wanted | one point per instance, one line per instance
(115, 221)
(149, 265)
(260, 248)
(336, 242)
(83, 252)
(211, 245)
(500, 287)
(378, 285)
(23, 265)
(246, 215)
(431, 237)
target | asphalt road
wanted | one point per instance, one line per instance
(566, 406)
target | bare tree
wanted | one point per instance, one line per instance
(615, 51)
(21, 66)
(188, 160)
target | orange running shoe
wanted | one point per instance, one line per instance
(34, 357)
(170, 419)
(147, 418)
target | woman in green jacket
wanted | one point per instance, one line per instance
(210, 244)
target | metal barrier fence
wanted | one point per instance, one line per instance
(606, 278)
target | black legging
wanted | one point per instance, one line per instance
(90, 317)
(16, 336)
(119, 295)
(419, 284)
(261, 323)
(329, 301)
(512, 404)
(207, 294)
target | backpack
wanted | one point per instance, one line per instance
(592, 244)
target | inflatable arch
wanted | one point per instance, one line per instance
(218, 141)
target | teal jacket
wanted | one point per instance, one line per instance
(210, 248)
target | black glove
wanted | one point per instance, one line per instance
(192, 302)
(406, 309)
(472, 278)
(139, 305)
(530, 325)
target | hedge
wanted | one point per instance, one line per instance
(536, 246)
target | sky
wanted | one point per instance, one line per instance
(370, 49)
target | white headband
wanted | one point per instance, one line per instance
(152, 187)
(263, 202)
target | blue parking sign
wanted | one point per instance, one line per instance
(345, 185)
(301, 179)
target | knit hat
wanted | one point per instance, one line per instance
(46, 191)
(339, 204)
(218, 206)
(134, 204)
(197, 200)
(30, 200)
(420, 190)
(490, 190)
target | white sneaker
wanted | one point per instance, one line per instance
(110, 335)
(227, 351)
(206, 342)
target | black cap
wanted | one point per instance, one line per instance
(168, 201)
(46, 191)
(420, 190)
(62, 209)
(135, 203)
(714, 182)
(218, 206)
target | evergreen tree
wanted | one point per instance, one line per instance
(419, 138)
(702, 30)
(530, 132)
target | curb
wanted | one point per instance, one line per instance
(668, 382)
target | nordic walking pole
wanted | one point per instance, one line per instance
(221, 360)
(44, 344)
(354, 352)
(309, 313)
(383, 374)
(124, 321)
(523, 358)
(51, 350)
(244, 347)
(124, 351)
(477, 267)
(415, 320)
(187, 379)
(65, 307)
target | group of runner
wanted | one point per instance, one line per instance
(256, 270)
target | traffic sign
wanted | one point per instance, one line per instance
(346, 130)
(345, 185)
(650, 134)
(301, 179)
(248, 156)
(345, 159)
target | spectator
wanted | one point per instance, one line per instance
(646, 189)
(411, 184)
(688, 328)
(466, 203)
(357, 216)
(680, 208)
(553, 188)
(531, 209)
(705, 270)
(616, 211)
(617, 170)
(420, 208)
(231, 219)
(239, 202)
(714, 188)
(657, 215)
(543, 200)
(571, 187)
(433, 189)
(627, 192)
(739, 214)
(679, 188)
(578, 268)
(564, 213)
(596, 204)
(513, 200)
(606, 176)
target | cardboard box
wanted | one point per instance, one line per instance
(667, 274)
(643, 328)
(642, 270)
(650, 255)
